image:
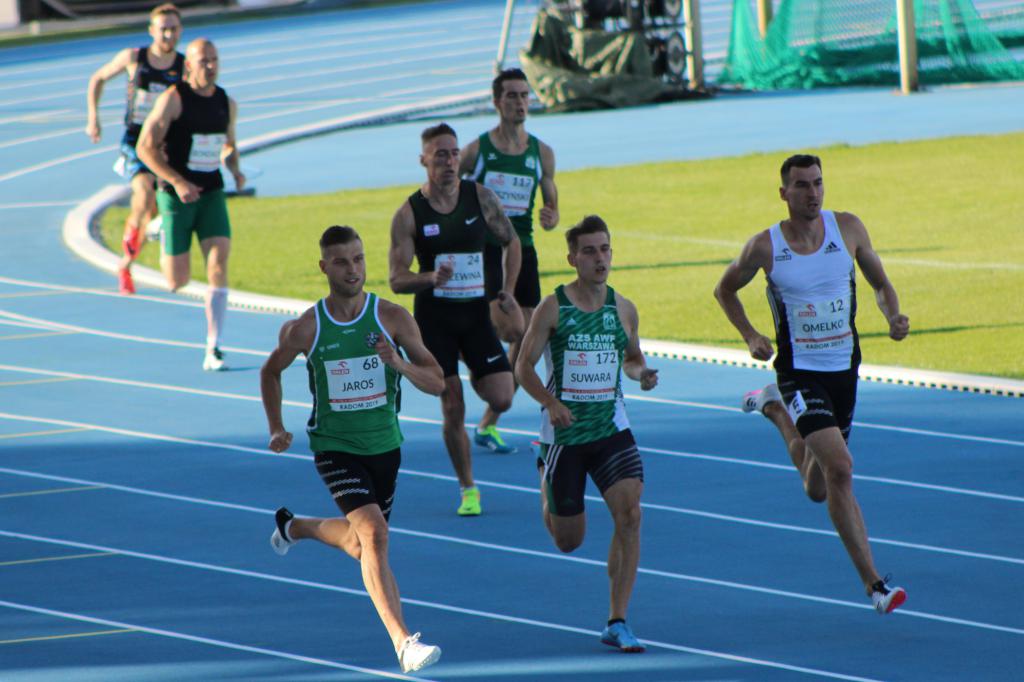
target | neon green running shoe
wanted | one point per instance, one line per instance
(470, 502)
(488, 437)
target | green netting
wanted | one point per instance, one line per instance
(824, 43)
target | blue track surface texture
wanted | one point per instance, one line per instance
(137, 493)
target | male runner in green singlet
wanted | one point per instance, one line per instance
(590, 337)
(513, 164)
(351, 340)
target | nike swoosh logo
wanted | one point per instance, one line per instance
(492, 359)
(472, 220)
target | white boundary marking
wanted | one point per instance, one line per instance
(426, 604)
(78, 237)
(448, 478)
(195, 638)
(522, 552)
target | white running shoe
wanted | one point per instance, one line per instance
(153, 228)
(279, 539)
(887, 599)
(415, 656)
(754, 401)
(214, 361)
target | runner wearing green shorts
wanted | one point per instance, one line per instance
(190, 131)
(589, 336)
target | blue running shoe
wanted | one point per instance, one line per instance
(621, 637)
(488, 437)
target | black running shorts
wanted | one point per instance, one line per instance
(819, 400)
(608, 461)
(450, 329)
(355, 481)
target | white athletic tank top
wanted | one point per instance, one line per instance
(814, 302)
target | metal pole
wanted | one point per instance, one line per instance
(695, 49)
(506, 26)
(908, 46)
(764, 16)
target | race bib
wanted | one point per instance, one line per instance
(204, 157)
(144, 100)
(514, 191)
(467, 279)
(821, 326)
(589, 375)
(356, 383)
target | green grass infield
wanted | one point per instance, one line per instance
(946, 216)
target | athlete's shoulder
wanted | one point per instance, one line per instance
(625, 306)
(758, 249)
(847, 220)
(299, 333)
(389, 311)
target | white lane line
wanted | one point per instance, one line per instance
(45, 324)
(125, 337)
(40, 323)
(35, 335)
(37, 117)
(76, 130)
(106, 149)
(398, 44)
(39, 204)
(521, 551)
(206, 640)
(859, 424)
(293, 34)
(243, 120)
(416, 602)
(448, 478)
(660, 451)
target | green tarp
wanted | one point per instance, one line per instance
(572, 69)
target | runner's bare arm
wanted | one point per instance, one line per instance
(121, 63)
(166, 110)
(867, 258)
(296, 337)
(400, 277)
(230, 156)
(542, 324)
(634, 364)
(755, 256)
(549, 215)
(421, 369)
(501, 227)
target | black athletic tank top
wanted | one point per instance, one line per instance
(143, 89)
(195, 140)
(456, 237)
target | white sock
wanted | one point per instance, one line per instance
(287, 530)
(216, 307)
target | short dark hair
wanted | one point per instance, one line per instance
(338, 234)
(798, 161)
(437, 131)
(498, 84)
(590, 224)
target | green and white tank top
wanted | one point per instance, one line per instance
(584, 361)
(514, 178)
(355, 395)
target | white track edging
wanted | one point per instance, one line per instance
(80, 233)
